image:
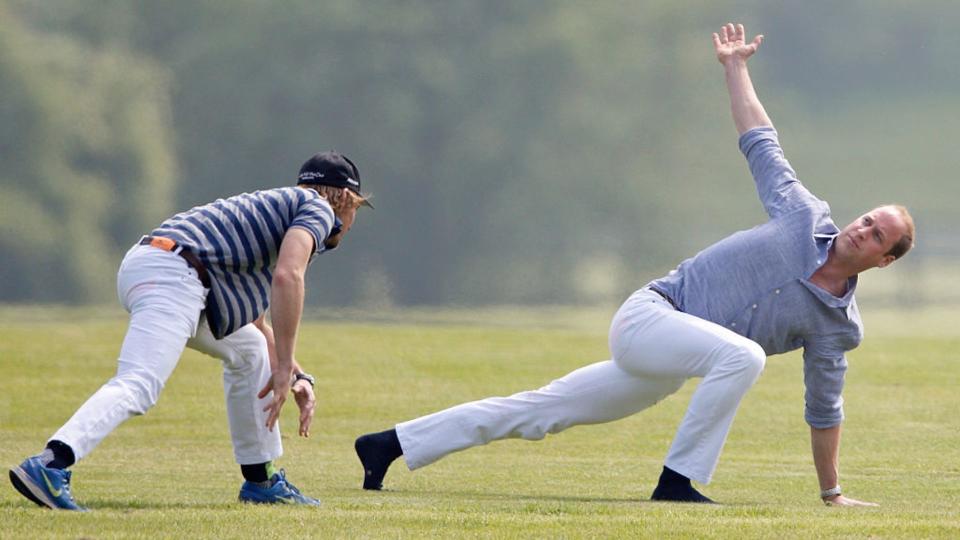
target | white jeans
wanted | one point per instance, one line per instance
(655, 349)
(165, 300)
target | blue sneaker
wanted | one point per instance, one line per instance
(44, 485)
(281, 492)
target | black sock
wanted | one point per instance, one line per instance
(63, 455)
(674, 486)
(376, 452)
(258, 472)
(672, 477)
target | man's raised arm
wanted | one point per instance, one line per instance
(733, 52)
(777, 185)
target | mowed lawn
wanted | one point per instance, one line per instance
(170, 474)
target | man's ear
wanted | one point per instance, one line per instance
(345, 199)
(885, 261)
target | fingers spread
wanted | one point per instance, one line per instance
(274, 409)
(271, 419)
(305, 418)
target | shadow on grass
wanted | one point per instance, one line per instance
(491, 496)
(529, 500)
(127, 505)
(548, 498)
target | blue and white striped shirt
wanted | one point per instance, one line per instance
(238, 240)
(757, 282)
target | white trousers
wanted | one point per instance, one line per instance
(655, 349)
(165, 299)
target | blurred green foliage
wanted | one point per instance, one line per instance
(519, 151)
(86, 135)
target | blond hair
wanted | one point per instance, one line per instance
(340, 199)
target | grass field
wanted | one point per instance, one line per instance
(170, 473)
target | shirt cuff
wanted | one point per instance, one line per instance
(755, 135)
(824, 420)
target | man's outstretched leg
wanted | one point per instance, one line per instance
(594, 394)
(164, 302)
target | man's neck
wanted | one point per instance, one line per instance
(832, 276)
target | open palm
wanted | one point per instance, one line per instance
(731, 43)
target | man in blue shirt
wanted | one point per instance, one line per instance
(784, 284)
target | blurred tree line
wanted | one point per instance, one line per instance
(519, 151)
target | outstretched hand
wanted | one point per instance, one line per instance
(306, 402)
(731, 43)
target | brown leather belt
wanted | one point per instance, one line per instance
(172, 246)
(665, 297)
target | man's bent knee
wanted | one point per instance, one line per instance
(753, 358)
(247, 353)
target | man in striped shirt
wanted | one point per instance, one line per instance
(204, 279)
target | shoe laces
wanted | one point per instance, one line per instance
(65, 486)
(289, 486)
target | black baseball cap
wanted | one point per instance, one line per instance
(332, 169)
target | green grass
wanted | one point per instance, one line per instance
(170, 473)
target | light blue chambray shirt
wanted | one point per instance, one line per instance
(756, 282)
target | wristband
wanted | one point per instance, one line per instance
(830, 492)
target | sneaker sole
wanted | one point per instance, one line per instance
(21, 480)
(255, 501)
(281, 502)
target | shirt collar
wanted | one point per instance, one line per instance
(829, 299)
(825, 238)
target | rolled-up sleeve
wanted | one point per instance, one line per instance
(823, 376)
(777, 185)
